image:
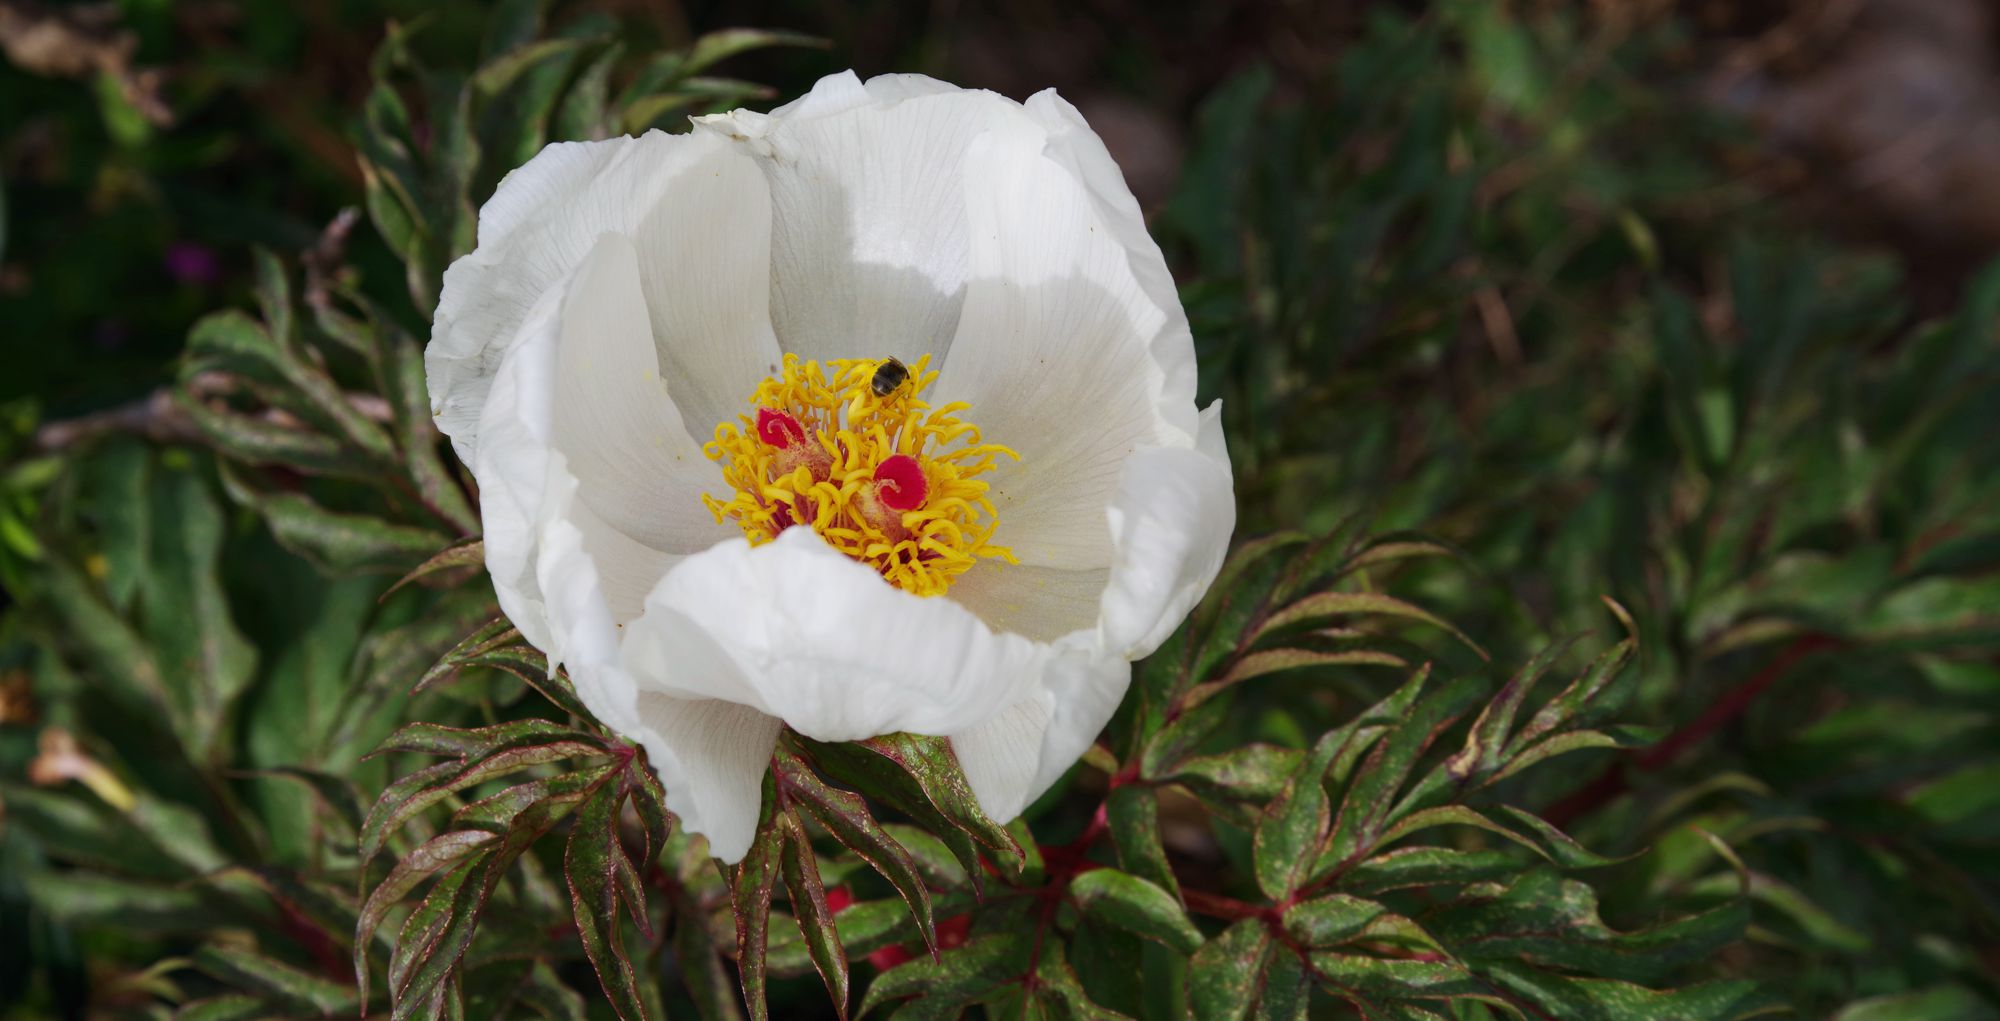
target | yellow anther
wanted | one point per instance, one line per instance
(834, 484)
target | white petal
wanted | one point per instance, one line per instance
(711, 757)
(1170, 526)
(547, 215)
(1012, 757)
(868, 243)
(797, 630)
(1063, 351)
(613, 418)
(512, 467)
(1042, 603)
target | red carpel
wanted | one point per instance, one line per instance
(900, 483)
(779, 428)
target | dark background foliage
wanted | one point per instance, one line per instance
(1516, 307)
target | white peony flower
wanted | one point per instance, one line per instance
(667, 349)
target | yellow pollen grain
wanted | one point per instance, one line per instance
(841, 415)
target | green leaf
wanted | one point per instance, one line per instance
(300, 990)
(1132, 813)
(1271, 661)
(1254, 773)
(591, 861)
(1576, 701)
(1592, 999)
(426, 787)
(1225, 974)
(437, 739)
(1427, 866)
(1395, 978)
(1543, 919)
(702, 970)
(1326, 605)
(1938, 1003)
(846, 817)
(1370, 803)
(186, 611)
(1135, 905)
(1287, 989)
(750, 883)
(809, 908)
(956, 977)
(1328, 920)
(1295, 824)
(715, 47)
(1481, 757)
(443, 851)
(340, 542)
(919, 777)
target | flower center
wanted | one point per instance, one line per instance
(854, 453)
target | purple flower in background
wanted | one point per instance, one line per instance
(190, 263)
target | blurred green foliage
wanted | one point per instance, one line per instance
(1488, 316)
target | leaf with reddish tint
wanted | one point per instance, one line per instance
(1225, 974)
(404, 800)
(1287, 988)
(649, 802)
(702, 970)
(1132, 813)
(1485, 742)
(1394, 978)
(809, 908)
(496, 812)
(845, 815)
(1251, 774)
(301, 991)
(750, 884)
(1059, 994)
(1324, 605)
(471, 553)
(958, 977)
(1427, 866)
(934, 860)
(919, 777)
(1295, 823)
(1271, 661)
(1330, 919)
(1576, 703)
(1135, 905)
(1565, 996)
(591, 863)
(1371, 801)
(497, 645)
(437, 853)
(436, 739)
(427, 956)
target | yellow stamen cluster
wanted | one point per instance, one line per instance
(922, 550)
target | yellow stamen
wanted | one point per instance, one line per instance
(827, 480)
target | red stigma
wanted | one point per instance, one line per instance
(900, 483)
(778, 428)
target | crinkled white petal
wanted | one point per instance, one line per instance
(613, 418)
(1170, 527)
(798, 630)
(711, 757)
(869, 250)
(1170, 524)
(692, 205)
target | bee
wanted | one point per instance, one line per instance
(889, 378)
